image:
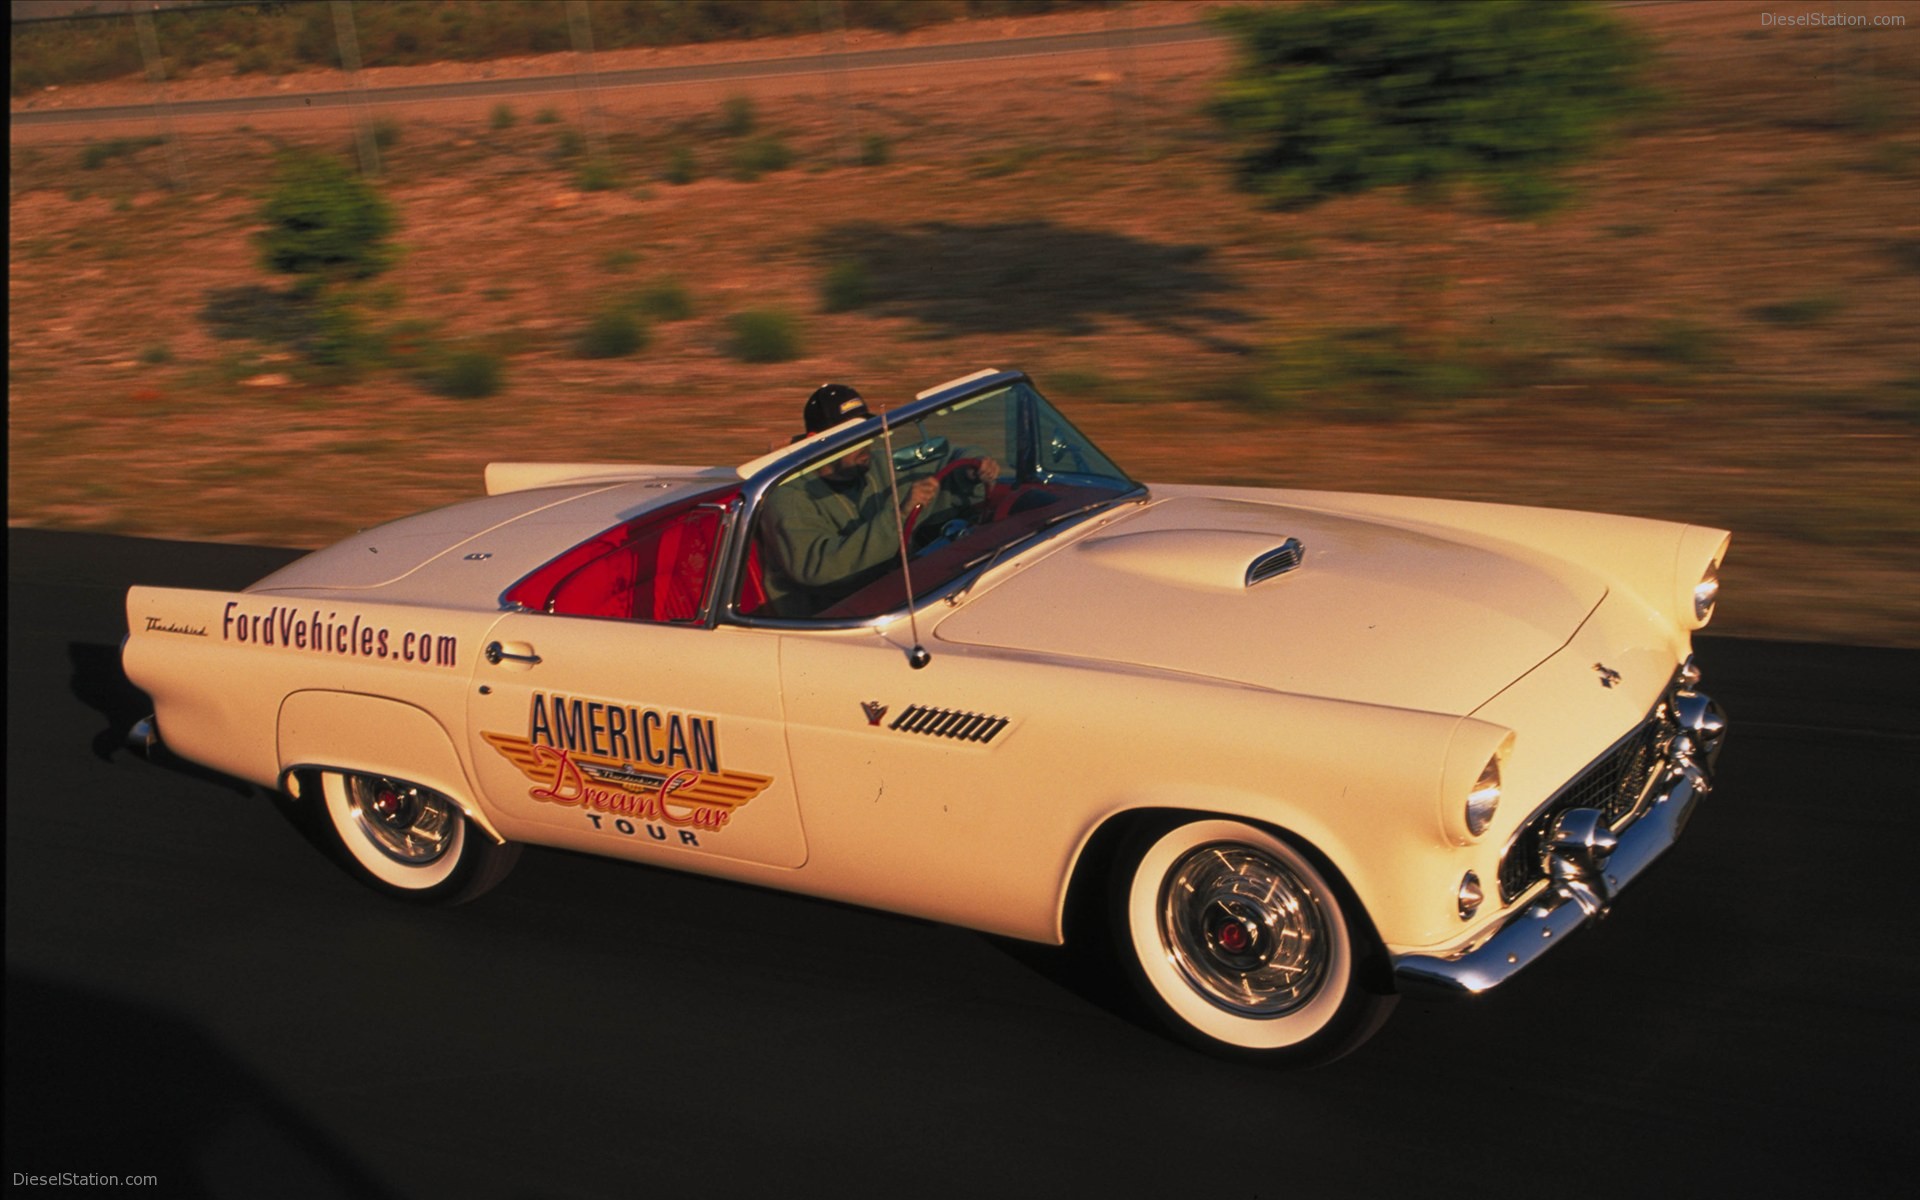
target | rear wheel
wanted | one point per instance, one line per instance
(410, 841)
(1242, 946)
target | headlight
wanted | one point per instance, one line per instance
(1705, 593)
(1484, 800)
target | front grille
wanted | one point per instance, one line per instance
(1616, 784)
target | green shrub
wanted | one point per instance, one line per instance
(1375, 372)
(1077, 382)
(1682, 343)
(764, 335)
(386, 132)
(466, 374)
(876, 150)
(596, 175)
(98, 154)
(665, 300)
(1806, 310)
(681, 166)
(324, 222)
(1336, 99)
(341, 346)
(258, 60)
(1903, 400)
(547, 116)
(847, 286)
(737, 117)
(503, 117)
(614, 333)
(756, 156)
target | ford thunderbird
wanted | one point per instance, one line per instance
(1297, 752)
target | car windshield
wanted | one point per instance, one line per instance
(967, 482)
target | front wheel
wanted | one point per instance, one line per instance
(409, 841)
(1240, 945)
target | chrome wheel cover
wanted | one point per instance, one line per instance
(1243, 930)
(407, 823)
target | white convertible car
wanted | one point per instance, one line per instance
(1299, 751)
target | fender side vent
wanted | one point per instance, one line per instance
(1277, 561)
(949, 723)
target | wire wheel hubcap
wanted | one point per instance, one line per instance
(1243, 930)
(408, 824)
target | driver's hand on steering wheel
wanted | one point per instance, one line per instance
(989, 472)
(922, 493)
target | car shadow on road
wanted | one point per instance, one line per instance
(99, 683)
(100, 1084)
(1032, 276)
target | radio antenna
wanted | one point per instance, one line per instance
(918, 656)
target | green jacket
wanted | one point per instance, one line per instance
(823, 543)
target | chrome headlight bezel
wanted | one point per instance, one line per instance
(1706, 593)
(1483, 802)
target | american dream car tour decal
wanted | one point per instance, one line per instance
(285, 626)
(628, 763)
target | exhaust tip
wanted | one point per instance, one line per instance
(144, 738)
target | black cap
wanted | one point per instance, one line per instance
(832, 403)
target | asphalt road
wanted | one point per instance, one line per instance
(194, 993)
(940, 56)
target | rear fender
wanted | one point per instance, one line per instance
(349, 731)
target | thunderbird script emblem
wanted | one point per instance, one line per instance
(1608, 676)
(874, 710)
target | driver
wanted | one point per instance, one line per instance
(837, 529)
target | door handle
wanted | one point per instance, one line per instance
(497, 653)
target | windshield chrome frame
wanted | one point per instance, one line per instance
(826, 445)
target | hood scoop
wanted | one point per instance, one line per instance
(1277, 561)
(1228, 560)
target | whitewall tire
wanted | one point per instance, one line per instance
(1242, 946)
(409, 841)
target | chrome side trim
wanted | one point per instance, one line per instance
(1587, 868)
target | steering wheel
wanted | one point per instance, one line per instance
(940, 477)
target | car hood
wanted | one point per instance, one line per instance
(1404, 614)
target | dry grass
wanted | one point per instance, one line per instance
(1719, 330)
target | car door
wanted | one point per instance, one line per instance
(612, 719)
(635, 739)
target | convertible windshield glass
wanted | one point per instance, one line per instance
(967, 481)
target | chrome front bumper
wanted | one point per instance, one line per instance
(1586, 865)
